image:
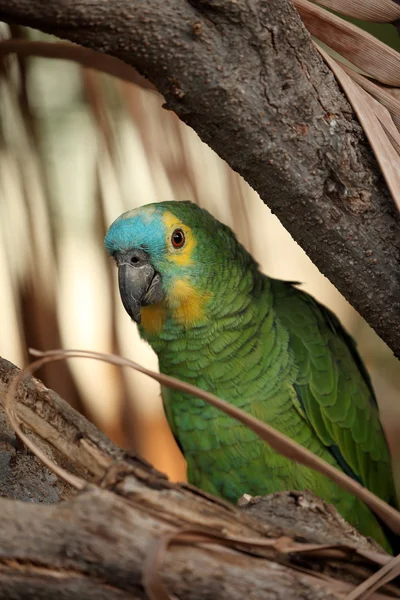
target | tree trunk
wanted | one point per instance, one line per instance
(99, 542)
(247, 78)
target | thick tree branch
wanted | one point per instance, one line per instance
(96, 544)
(246, 77)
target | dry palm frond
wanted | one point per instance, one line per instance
(379, 11)
(380, 93)
(383, 146)
(69, 51)
(361, 48)
(376, 105)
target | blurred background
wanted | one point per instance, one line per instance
(77, 148)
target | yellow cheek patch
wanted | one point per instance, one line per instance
(187, 303)
(183, 256)
(153, 318)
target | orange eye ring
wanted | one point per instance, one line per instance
(178, 238)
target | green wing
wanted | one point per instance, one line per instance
(334, 390)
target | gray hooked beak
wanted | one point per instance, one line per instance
(139, 283)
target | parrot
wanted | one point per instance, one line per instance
(262, 344)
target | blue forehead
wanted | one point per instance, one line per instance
(136, 230)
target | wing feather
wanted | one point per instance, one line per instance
(334, 389)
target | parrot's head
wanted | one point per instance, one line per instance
(174, 260)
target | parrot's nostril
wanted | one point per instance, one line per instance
(137, 257)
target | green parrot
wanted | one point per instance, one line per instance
(215, 321)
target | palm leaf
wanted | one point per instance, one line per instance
(370, 66)
(378, 11)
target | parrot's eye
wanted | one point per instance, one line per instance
(178, 238)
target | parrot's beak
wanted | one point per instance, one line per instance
(139, 283)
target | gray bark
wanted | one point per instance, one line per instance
(56, 542)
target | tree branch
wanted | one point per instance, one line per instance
(99, 543)
(246, 77)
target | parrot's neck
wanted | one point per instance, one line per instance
(225, 341)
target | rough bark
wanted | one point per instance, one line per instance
(246, 77)
(95, 543)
